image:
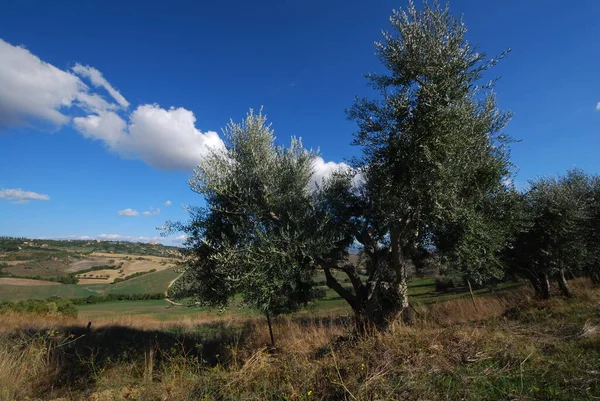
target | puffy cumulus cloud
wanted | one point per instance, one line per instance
(128, 212)
(323, 170)
(168, 203)
(19, 196)
(164, 139)
(107, 127)
(168, 139)
(33, 89)
(598, 106)
(151, 212)
(98, 80)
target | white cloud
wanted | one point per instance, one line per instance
(33, 89)
(105, 126)
(119, 237)
(20, 197)
(323, 170)
(112, 236)
(128, 212)
(151, 212)
(168, 139)
(131, 238)
(98, 80)
(180, 238)
(165, 139)
(598, 106)
(507, 182)
(168, 203)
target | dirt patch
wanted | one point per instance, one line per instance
(84, 281)
(129, 267)
(119, 256)
(25, 281)
(86, 264)
(17, 262)
(45, 268)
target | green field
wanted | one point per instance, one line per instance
(422, 291)
(21, 292)
(147, 284)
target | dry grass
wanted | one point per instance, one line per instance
(508, 346)
(129, 267)
(25, 281)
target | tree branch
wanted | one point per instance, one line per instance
(350, 271)
(335, 285)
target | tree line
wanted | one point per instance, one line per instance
(434, 179)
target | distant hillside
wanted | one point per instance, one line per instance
(9, 244)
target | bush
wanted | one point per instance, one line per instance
(443, 284)
(134, 275)
(70, 279)
(100, 267)
(116, 297)
(49, 307)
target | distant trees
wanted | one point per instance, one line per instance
(591, 234)
(559, 232)
(133, 275)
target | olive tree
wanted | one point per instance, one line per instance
(258, 232)
(434, 154)
(551, 241)
(592, 230)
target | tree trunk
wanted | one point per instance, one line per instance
(471, 292)
(398, 264)
(270, 328)
(562, 284)
(536, 284)
(544, 286)
(595, 276)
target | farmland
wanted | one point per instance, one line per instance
(36, 269)
(192, 346)
(150, 283)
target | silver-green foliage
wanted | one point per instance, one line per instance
(258, 232)
(434, 152)
(556, 226)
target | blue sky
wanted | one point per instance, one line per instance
(86, 125)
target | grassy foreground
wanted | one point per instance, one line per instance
(507, 347)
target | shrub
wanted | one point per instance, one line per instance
(443, 284)
(49, 307)
(92, 299)
(134, 275)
